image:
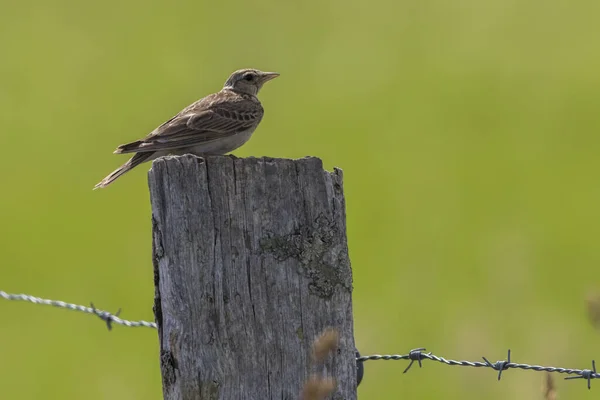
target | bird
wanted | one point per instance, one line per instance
(214, 125)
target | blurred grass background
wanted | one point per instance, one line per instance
(467, 132)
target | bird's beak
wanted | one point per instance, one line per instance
(267, 76)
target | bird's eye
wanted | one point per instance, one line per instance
(249, 76)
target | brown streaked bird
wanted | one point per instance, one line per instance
(214, 125)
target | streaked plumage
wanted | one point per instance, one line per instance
(214, 125)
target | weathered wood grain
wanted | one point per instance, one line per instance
(251, 264)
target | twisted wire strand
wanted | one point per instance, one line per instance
(417, 355)
(106, 316)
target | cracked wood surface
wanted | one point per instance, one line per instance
(251, 264)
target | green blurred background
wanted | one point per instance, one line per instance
(467, 132)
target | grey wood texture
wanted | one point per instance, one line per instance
(251, 265)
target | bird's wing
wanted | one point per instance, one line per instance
(199, 123)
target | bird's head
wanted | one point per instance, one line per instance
(248, 81)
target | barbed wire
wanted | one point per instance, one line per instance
(418, 355)
(105, 316)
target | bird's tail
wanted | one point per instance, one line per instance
(134, 161)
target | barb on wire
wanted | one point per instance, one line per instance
(498, 365)
(105, 316)
(417, 355)
(587, 374)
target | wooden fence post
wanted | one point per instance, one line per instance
(251, 265)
